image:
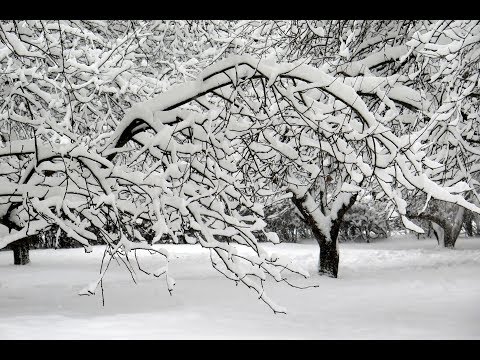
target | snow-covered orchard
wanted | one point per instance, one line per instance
(123, 136)
(400, 288)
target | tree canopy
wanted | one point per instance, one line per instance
(126, 131)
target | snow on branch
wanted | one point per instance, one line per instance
(114, 144)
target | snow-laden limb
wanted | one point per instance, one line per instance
(197, 161)
(448, 53)
(363, 66)
(282, 140)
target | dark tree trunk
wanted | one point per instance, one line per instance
(467, 222)
(21, 247)
(476, 219)
(449, 240)
(21, 255)
(454, 229)
(329, 256)
(469, 228)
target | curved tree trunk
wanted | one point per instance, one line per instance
(438, 232)
(446, 231)
(447, 236)
(455, 228)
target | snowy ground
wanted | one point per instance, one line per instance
(399, 288)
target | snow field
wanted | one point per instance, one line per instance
(395, 289)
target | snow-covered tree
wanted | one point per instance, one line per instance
(62, 82)
(426, 83)
(200, 159)
(67, 82)
(298, 132)
(449, 53)
(62, 168)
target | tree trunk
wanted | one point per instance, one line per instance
(439, 233)
(467, 222)
(430, 229)
(328, 253)
(476, 218)
(21, 255)
(446, 237)
(454, 232)
(328, 258)
(446, 231)
(449, 240)
(21, 247)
